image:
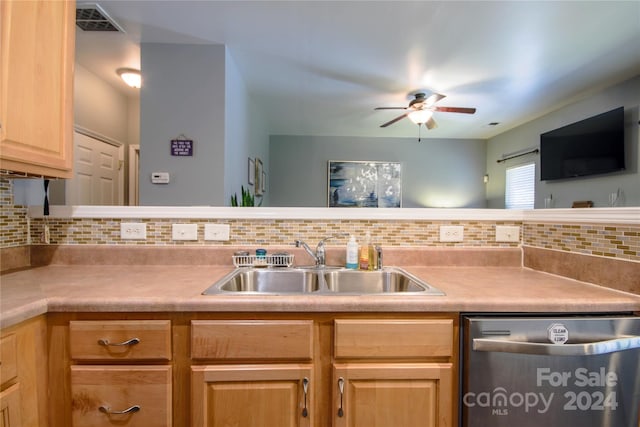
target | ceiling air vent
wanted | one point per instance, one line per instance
(91, 17)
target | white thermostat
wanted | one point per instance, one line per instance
(160, 177)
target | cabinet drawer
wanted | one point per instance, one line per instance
(393, 338)
(120, 340)
(252, 339)
(8, 358)
(99, 392)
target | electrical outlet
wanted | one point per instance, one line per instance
(507, 233)
(218, 232)
(451, 233)
(184, 231)
(133, 230)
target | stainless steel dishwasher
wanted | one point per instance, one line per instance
(550, 371)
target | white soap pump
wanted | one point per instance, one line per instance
(352, 253)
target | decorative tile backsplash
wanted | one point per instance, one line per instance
(616, 241)
(273, 232)
(612, 241)
(13, 218)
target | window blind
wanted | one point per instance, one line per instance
(520, 187)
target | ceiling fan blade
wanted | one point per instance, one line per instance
(431, 124)
(433, 98)
(394, 120)
(390, 108)
(455, 110)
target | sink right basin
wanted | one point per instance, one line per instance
(385, 281)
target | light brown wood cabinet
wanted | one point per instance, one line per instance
(113, 340)
(10, 413)
(111, 393)
(23, 367)
(10, 391)
(255, 369)
(252, 395)
(273, 391)
(36, 97)
(123, 395)
(393, 394)
(393, 373)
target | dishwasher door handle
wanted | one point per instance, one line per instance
(584, 349)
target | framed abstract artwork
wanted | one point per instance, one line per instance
(365, 184)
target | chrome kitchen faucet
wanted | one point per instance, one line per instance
(319, 256)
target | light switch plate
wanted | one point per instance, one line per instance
(219, 232)
(451, 233)
(507, 233)
(184, 231)
(133, 230)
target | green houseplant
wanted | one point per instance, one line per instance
(247, 198)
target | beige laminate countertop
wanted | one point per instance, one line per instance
(144, 288)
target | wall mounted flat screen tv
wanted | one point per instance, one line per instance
(588, 147)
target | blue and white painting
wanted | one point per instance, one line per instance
(364, 184)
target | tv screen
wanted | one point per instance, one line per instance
(588, 147)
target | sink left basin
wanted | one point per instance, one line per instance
(266, 281)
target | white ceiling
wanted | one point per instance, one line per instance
(321, 67)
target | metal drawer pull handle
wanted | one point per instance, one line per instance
(341, 387)
(106, 342)
(108, 411)
(305, 388)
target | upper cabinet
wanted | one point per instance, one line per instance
(36, 110)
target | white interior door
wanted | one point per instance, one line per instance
(134, 183)
(97, 172)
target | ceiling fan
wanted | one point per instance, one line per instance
(421, 109)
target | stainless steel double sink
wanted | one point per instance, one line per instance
(320, 281)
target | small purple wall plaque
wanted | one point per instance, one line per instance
(182, 147)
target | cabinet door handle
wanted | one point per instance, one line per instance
(107, 410)
(305, 389)
(341, 388)
(105, 342)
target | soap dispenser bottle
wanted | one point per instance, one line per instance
(364, 253)
(352, 253)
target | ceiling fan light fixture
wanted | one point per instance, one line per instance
(420, 116)
(131, 77)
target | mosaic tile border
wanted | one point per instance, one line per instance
(14, 224)
(612, 241)
(609, 241)
(399, 233)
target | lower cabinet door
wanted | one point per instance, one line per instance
(10, 407)
(393, 395)
(252, 395)
(121, 396)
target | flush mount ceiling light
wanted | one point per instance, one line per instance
(130, 76)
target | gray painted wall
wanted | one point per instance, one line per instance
(595, 188)
(183, 93)
(246, 134)
(435, 172)
(100, 107)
